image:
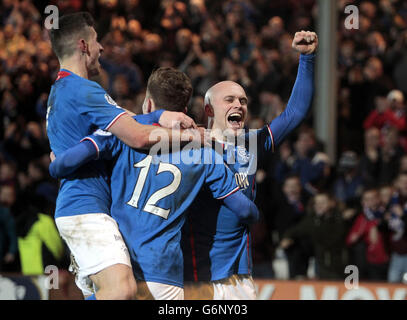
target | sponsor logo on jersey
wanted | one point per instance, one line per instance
(241, 180)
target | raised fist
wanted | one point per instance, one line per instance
(305, 42)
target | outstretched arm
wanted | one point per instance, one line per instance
(72, 159)
(301, 96)
(305, 43)
(244, 208)
(75, 157)
(299, 102)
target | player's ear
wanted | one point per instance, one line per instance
(83, 46)
(208, 110)
(185, 110)
(150, 105)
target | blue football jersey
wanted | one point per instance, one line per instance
(150, 196)
(215, 244)
(76, 108)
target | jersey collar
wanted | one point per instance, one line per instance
(62, 74)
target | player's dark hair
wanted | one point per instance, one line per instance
(71, 28)
(170, 89)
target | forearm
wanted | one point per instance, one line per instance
(243, 207)
(72, 159)
(140, 136)
(299, 102)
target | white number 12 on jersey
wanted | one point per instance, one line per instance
(159, 194)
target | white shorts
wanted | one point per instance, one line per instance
(235, 287)
(95, 243)
(147, 290)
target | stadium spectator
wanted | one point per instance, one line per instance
(366, 229)
(8, 237)
(391, 153)
(39, 243)
(395, 225)
(382, 115)
(386, 194)
(348, 186)
(287, 209)
(311, 166)
(327, 226)
(370, 160)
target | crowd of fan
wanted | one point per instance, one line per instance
(350, 210)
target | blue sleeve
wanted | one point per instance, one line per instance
(101, 144)
(97, 106)
(222, 183)
(243, 207)
(149, 118)
(106, 144)
(72, 159)
(299, 102)
(297, 107)
(218, 176)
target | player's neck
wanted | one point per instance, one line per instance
(217, 134)
(223, 134)
(75, 65)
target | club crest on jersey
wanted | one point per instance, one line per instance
(110, 100)
(243, 155)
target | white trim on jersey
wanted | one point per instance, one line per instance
(227, 195)
(272, 138)
(94, 143)
(114, 120)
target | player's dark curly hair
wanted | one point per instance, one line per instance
(170, 89)
(71, 28)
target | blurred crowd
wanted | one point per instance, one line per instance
(350, 210)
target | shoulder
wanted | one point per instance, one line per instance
(85, 87)
(93, 92)
(77, 89)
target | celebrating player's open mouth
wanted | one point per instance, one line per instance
(235, 120)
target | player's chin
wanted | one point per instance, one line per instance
(94, 71)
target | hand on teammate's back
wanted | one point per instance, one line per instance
(305, 42)
(176, 120)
